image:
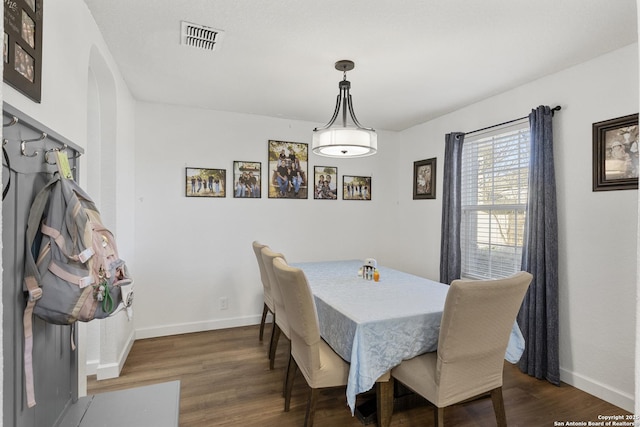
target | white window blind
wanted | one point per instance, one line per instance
(495, 170)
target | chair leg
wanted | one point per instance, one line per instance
(265, 310)
(438, 417)
(274, 345)
(292, 369)
(498, 406)
(273, 327)
(311, 407)
(286, 373)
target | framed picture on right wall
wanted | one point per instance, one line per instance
(615, 154)
(424, 179)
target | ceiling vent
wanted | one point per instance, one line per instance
(200, 37)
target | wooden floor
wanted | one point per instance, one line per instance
(226, 381)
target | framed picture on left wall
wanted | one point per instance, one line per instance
(204, 182)
(22, 52)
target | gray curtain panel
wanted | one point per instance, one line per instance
(450, 255)
(538, 316)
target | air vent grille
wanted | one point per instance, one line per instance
(200, 36)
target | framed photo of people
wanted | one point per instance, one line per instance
(325, 179)
(615, 154)
(201, 182)
(22, 51)
(247, 180)
(356, 187)
(424, 179)
(287, 169)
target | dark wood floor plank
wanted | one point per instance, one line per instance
(226, 381)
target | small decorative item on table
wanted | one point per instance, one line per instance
(368, 269)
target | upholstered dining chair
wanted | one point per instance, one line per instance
(474, 332)
(319, 364)
(268, 306)
(281, 324)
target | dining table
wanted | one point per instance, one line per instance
(375, 325)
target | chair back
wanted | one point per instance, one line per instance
(266, 286)
(302, 314)
(281, 314)
(476, 324)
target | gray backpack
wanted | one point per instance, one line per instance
(72, 268)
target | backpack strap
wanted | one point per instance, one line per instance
(31, 281)
(82, 257)
(5, 190)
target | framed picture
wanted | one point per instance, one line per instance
(424, 179)
(22, 51)
(356, 187)
(615, 154)
(200, 182)
(288, 169)
(247, 180)
(325, 179)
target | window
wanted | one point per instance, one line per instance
(495, 172)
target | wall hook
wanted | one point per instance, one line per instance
(46, 156)
(13, 121)
(23, 145)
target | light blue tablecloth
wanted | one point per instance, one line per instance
(377, 325)
(374, 325)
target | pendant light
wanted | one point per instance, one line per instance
(343, 139)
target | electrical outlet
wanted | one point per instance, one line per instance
(224, 303)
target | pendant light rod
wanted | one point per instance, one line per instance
(344, 98)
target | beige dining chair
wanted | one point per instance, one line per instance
(319, 364)
(281, 325)
(476, 324)
(268, 306)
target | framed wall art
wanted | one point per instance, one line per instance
(247, 180)
(201, 182)
(424, 179)
(356, 187)
(325, 179)
(22, 52)
(615, 154)
(288, 163)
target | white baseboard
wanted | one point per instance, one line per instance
(598, 389)
(92, 367)
(112, 370)
(185, 328)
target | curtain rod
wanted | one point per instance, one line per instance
(554, 109)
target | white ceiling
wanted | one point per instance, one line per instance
(415, 59)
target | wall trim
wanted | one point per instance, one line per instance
(602, 391)
(186, 328)
(112, 370)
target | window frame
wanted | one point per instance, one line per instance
(490, 258)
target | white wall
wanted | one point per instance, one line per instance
(193, 251)
(159, 230)
(597, 230)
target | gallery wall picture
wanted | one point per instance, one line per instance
(204, 182)
(615, 154)
(325, 182)
(247, 181)
(287, 169)
(356, 187)
(22, 52)
(424, 179)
